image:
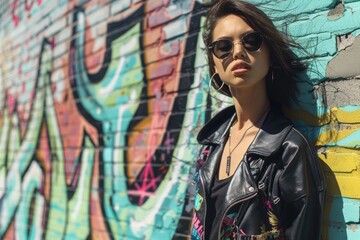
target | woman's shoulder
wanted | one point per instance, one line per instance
(213, 130)
(300, 153)
(295, 138)
(283, 128)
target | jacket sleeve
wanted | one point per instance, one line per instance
(302, 189)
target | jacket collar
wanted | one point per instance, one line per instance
(267, 141)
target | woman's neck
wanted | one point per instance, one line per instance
(250, 105)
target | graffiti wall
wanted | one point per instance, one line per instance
(101, 102)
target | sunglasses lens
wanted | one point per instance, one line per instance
(252, 42)
(222, 48)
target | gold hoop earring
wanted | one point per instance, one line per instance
(212, 79)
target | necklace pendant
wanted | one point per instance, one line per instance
(228, 162)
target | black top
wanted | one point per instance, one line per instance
(216, 202)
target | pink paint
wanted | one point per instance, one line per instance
(198, 226)
(161, 16)
(27, 5)
(75, 175)
(71, 64)
(162, 69)
(11, 100)
(147, 182)
(53, 87)
(152, 5)
(15, 18)
(52, 43)
(147, 179)
(157, 18)
(168, 142)
(174, 50)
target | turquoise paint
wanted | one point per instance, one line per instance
(343, 221)
(351, 141)
(22, 159)
(348, 210)
(79, 205)
(30, 187)
(58, 195)
(353, 231)
(350, 108)
(106, 110)
(318, 44)
(320, 23)
(289, 9)
(121, 64)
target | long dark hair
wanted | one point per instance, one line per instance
(285, 65)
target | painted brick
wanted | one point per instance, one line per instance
(97, 14)
(119, 6)
(46, 8)
(61, 11)
(91, 109)
(56, 27)
(63, 35)
(175, 28)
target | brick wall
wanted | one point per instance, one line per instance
(102, 101)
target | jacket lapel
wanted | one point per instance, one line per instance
(266, 143)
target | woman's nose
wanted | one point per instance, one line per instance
(239, 50)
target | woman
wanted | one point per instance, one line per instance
(258, 177)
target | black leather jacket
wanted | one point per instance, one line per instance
(280, 169)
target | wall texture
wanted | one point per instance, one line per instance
(101, 102)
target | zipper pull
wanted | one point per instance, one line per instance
(240, 235)
(235, 228)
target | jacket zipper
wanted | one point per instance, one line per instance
(231, 205)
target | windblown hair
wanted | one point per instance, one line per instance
(285, 65)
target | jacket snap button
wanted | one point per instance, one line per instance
(251, 189)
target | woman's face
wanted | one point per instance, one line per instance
(242, 68)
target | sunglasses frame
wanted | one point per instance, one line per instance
(212, 45)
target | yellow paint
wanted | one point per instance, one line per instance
(334, 115)
(345, 186)
(342, 171)
(341, 166)
(346, 117)
(333, 136)
(342, 162)
(307, 117)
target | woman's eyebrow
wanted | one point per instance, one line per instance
(232, 38)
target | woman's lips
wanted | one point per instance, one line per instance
(240, 68)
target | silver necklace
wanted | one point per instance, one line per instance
(228, 159)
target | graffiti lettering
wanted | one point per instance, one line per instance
(28, 4)
(100, 112)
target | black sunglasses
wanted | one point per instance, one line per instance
(222, 48)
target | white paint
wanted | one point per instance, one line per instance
(111, 85)
(124, 49)
(60, 86)
(81, 186)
